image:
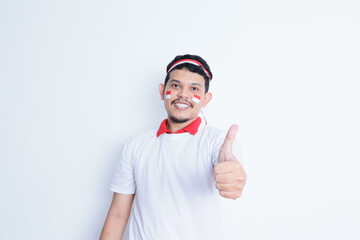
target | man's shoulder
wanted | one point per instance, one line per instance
(209, 131)
(139, 141)
(143, 136)
(211, 136)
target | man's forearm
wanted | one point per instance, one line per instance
(114, 227)
(117, 217)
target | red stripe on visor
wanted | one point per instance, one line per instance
(191, 61)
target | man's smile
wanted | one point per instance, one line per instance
(181, 104)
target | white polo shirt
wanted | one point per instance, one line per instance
(172, 177)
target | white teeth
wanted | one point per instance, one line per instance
(180, 105)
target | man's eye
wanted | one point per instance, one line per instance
(175, 85)
(194, 88)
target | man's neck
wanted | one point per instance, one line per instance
(174, 127)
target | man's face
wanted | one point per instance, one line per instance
(183, 85)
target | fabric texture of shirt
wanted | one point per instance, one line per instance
(172, 178)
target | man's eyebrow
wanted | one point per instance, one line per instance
(194, 84)
(174, 80)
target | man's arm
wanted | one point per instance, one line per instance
(117, 217)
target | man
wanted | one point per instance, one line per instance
(170, 180)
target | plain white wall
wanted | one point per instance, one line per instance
(77, 78)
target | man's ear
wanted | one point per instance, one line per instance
(161, 90)
(207, 99)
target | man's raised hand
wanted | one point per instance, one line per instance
(229, 174)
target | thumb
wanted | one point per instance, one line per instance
(225, 153)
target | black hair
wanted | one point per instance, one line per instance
(191, 67)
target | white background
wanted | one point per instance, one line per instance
(78, 78)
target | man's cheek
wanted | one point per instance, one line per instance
(168, 95)
(196, 98)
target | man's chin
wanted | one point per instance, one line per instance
(178, 120)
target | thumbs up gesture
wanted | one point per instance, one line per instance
(230, 176)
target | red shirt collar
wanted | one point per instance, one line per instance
(192, 128)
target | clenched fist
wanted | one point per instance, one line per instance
(230, 176)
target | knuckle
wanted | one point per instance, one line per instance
(225, 195)
(241, 178)
(239, 187)
(237, 195)
(232, 195)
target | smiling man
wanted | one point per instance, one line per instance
(169, 181)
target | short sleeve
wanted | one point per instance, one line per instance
(123, 180)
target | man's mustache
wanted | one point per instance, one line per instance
(181, 100)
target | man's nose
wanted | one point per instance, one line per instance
(184, 93)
